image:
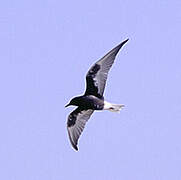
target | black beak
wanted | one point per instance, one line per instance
(67, 105)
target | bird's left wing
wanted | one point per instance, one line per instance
(76, 123)
(97, 75)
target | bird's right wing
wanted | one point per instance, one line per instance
(76, 123)
(97, 75)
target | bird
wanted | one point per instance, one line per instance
(93, 98)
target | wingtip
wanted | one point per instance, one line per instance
(125, 41)
(122, 43)
(74, 146)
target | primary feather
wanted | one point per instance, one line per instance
(76, 123)
(97, 75)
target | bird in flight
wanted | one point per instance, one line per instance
(93, 98)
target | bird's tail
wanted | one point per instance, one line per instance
(116, 107)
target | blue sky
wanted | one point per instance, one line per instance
(46, 50)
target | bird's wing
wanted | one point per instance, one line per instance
(97, 74)
(76, 123)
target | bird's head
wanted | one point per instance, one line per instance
(75, 102)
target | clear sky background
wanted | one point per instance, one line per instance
(46, 48)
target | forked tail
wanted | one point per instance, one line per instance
(112, 107)
(116, 107)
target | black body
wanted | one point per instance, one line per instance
(88, 102)
(93, 98)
